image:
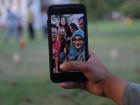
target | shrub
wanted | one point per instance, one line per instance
(131, 9)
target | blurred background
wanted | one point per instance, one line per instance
(114, 35)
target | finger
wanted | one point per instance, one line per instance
(73, 85)
(75, 66)
(91, 56)
(70, 85)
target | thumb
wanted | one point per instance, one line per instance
(75, 66)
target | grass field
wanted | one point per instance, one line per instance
(27, 83)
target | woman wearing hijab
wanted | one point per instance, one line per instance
(77, 49)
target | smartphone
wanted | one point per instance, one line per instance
(68, 40)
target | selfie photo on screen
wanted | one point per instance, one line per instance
(68, 39)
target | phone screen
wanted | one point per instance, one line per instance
(67, 39)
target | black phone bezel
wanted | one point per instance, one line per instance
(60, 10)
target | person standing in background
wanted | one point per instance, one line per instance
(12, 25)
(22, 42)
(19, 25)
(44, 19)
(30, 23)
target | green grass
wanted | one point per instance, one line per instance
(28, 83)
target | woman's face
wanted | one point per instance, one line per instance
(81, 24)
(63, 21)
(78, 42)
(62, 33)
(71, 29)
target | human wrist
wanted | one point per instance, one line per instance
(114, 88)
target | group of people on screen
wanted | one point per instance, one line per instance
(67, 41)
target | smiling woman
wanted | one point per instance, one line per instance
(77, 51)
(78, 42)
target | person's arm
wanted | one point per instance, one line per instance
(100, 81)
(132, 94)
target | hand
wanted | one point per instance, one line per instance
(100, 81)
(95, 72)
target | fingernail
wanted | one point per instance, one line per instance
(62, 66)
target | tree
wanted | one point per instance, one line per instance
(98, 8)
(131, 8)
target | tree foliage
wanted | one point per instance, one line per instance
(98, 8)
(131, 8)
